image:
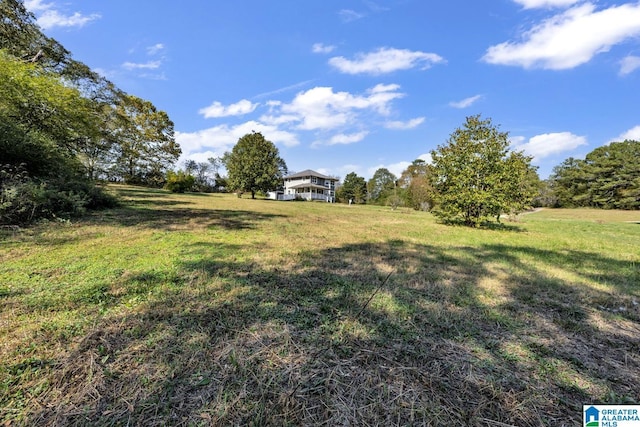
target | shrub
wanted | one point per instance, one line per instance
(24, 199)
(179, 182)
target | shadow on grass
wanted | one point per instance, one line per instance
(177, 218)
(457, 336)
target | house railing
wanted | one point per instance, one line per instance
(305, 196)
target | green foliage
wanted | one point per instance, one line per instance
(254, 165)
(477, 178)
(415, 185)
(146, 145)
(24, 199)
(62, 126)
(179, 182)
(381, 186)
(609, 178)
(353, 188)
(37, 101)
(113, 134)
(204, 174)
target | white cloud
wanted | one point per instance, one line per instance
(394, 168)
(467, 102)
(426, 157)
(375, 7)
(321, 108)
(49, 17)
(53, 18)
(322, 48)
(385, 60)
(222, 138)
(632, 134)
(533, 4)
(347, 138)
(151, 65)
(155, 49)
(569, 39)
(218, 110)
(397, 168)
(202, 156)
(37, 5)
(348, 15)
(398, 125)
(547, 144)
(629, 65)
(279, 119)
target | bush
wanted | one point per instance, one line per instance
(24, 200)
(179, 182)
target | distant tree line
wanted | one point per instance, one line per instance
(63, 126)
(475, 177)
(472, 179)
(608, 178)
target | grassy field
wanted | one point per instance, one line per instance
(213, 310)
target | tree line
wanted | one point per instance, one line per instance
(475, 177)
(63, 126)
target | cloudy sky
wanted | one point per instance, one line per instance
(353, 85)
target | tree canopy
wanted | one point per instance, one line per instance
(62, 126)
(254, 164)
(416, 187)
(476, 177)
(381, 186)
(353, 188)
(608, 177)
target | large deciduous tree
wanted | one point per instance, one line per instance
(44, 121)
(145, 141)
(477, 177)
(416, 187)
(254, 164)
(353, 188)
(381, 186)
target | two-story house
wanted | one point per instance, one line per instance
(309, 185)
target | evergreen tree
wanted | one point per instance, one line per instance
(353, 188)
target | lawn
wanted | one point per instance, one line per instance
(212, 310)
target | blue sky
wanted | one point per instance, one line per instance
(354, 85)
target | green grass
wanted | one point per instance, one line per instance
(212, 310)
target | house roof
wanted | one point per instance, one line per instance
(309, 172)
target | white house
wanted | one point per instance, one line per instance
(308, 185)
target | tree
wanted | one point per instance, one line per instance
(44, 123)
(476, 177)
(203, 174)
(43, 119)
(609, 178)
(415, 186)
(253, 165)
(144, 141)
(353, 188)
(179, 182)
(381, 186)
